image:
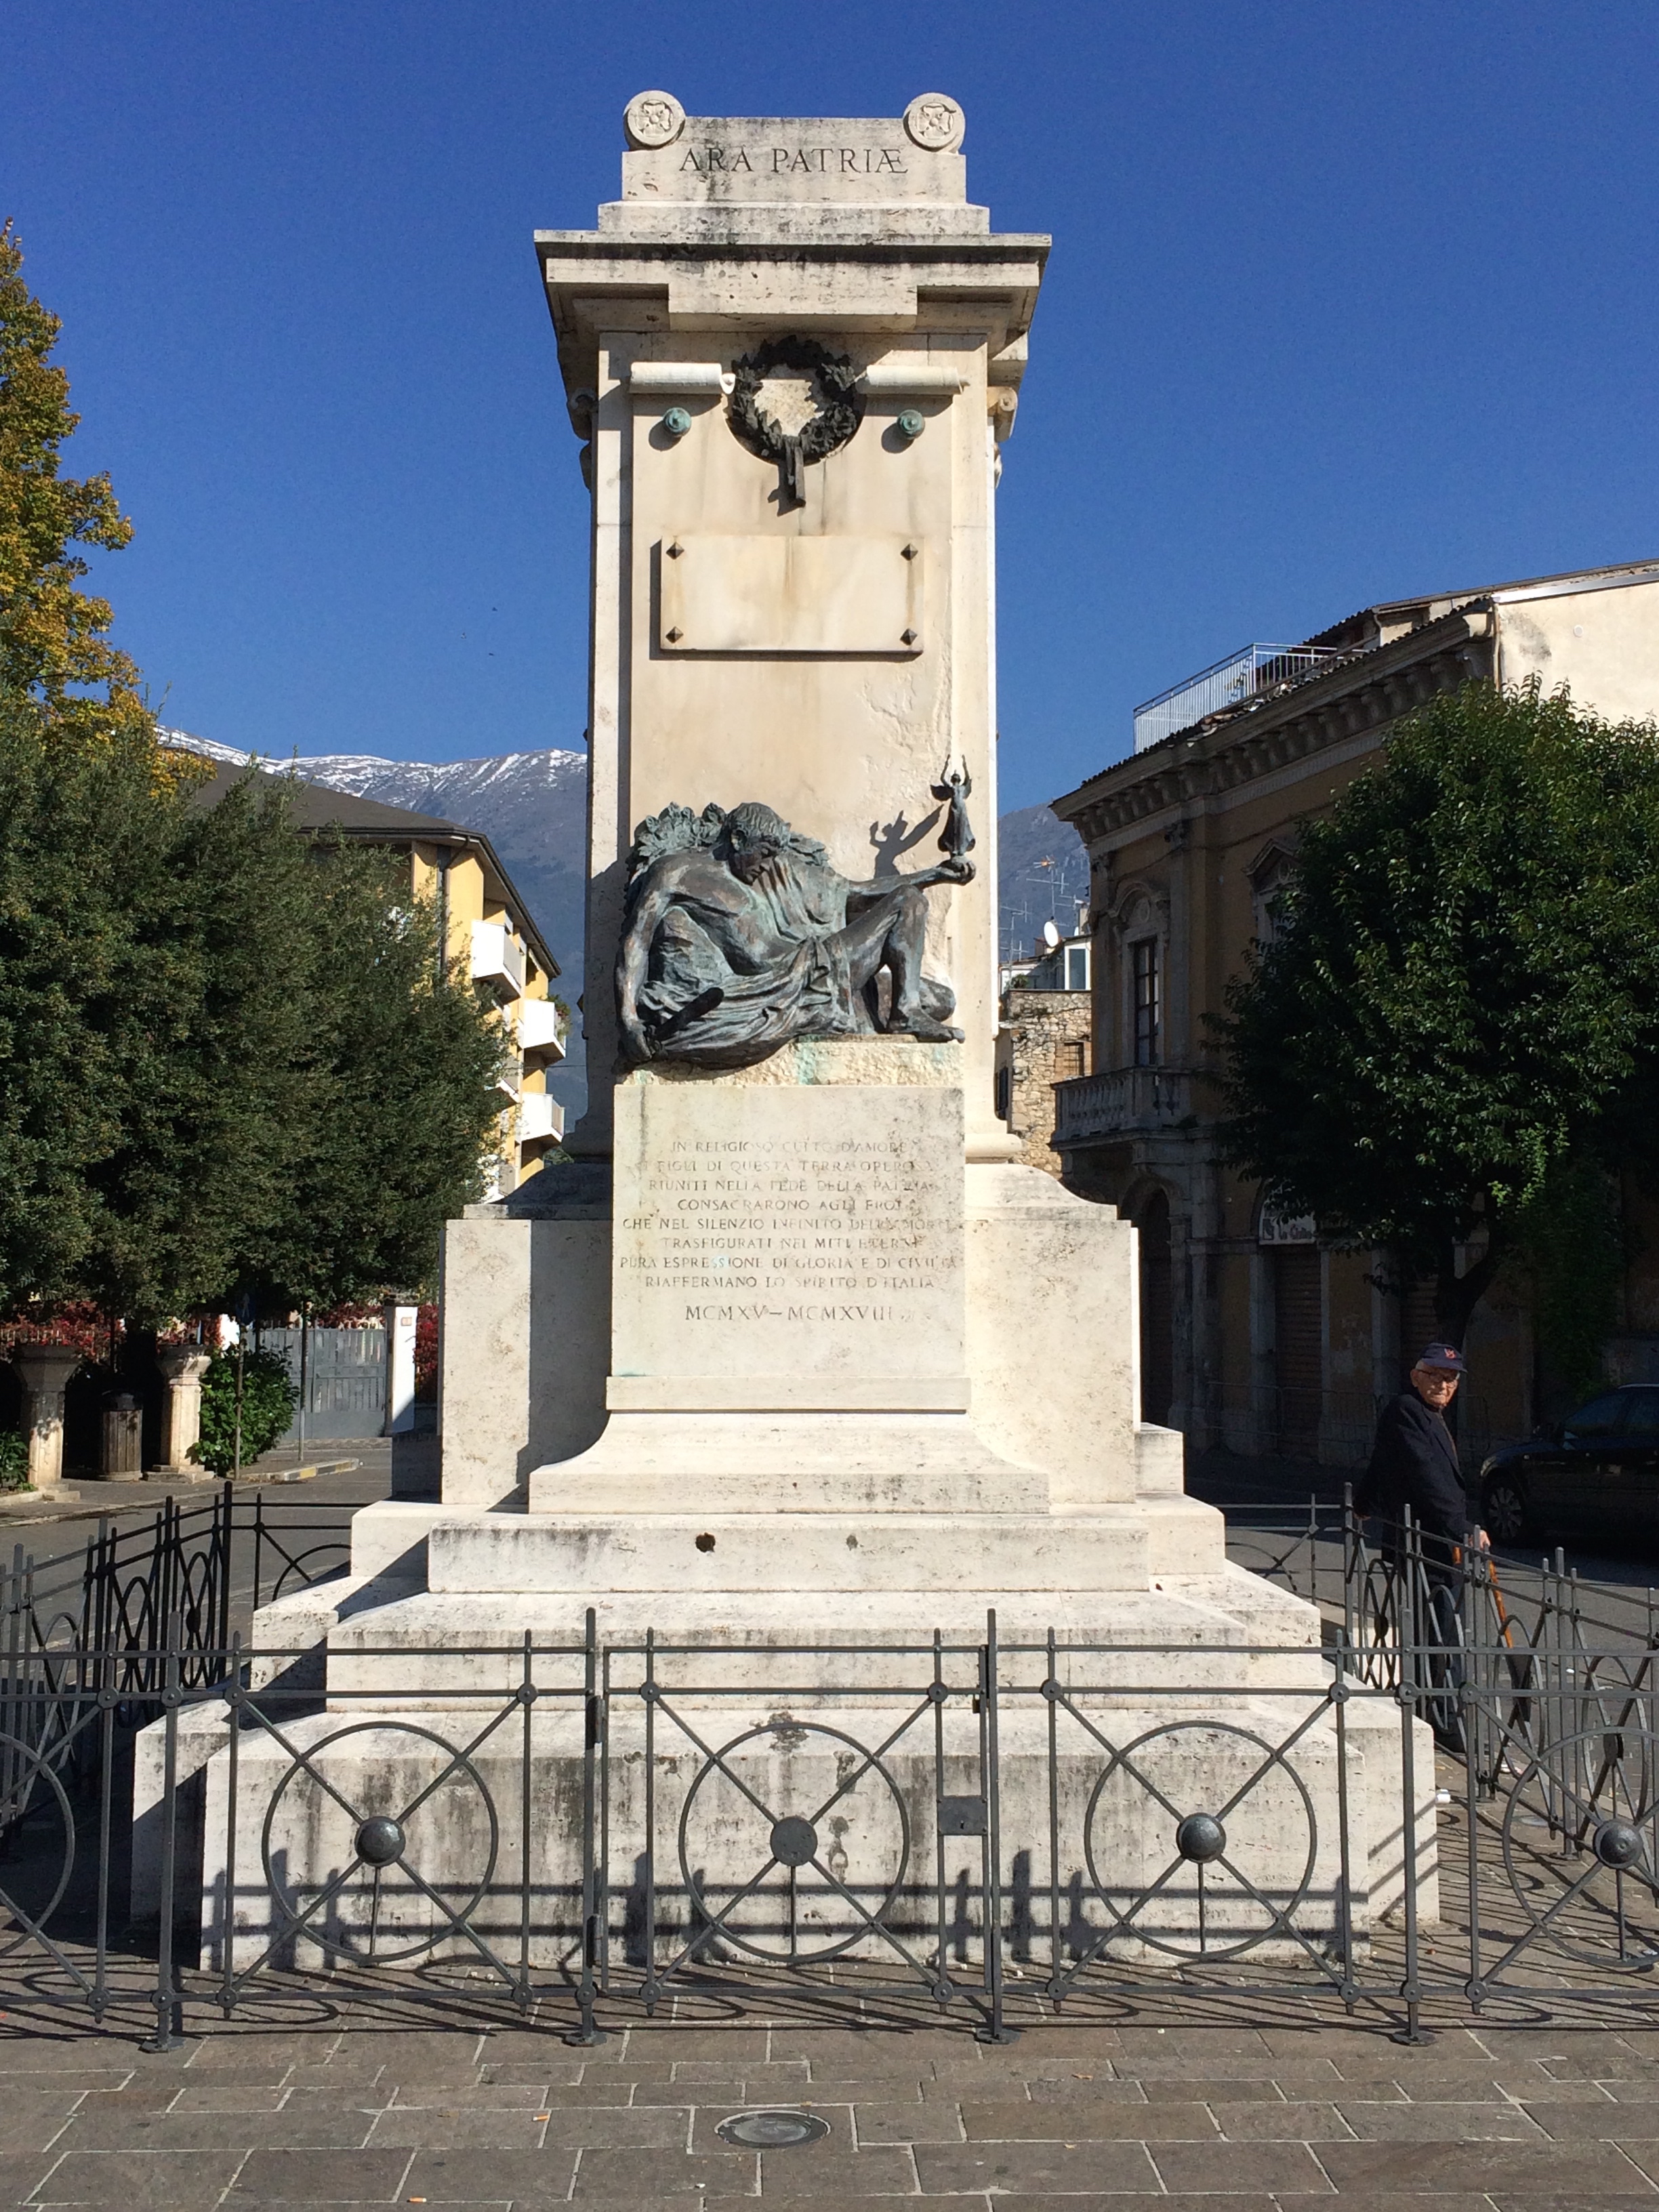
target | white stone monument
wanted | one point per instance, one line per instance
(792, 1349)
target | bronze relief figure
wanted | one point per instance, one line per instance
(740, 936)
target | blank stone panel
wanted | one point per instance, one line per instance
(794, 594)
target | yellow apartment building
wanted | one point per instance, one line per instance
(488, 935)
(1254, 1333)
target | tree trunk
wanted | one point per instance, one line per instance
(1455, 1297)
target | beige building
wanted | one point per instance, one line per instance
(488, 935)
(1255, 1334)
(1045, 1036)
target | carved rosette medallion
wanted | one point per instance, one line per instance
(653, 118)
(935, 123)
(840, 409)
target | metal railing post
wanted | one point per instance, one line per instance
(1411, 1659)
(169, 2033)
(589, 2032)
(995, 2028)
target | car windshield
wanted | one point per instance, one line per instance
(1599, 1419)
(1641, 1418)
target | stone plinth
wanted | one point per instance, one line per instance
(183, 1365)
(44, 1370)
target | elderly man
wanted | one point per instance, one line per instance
(1414, 1460)
(1414, 1464)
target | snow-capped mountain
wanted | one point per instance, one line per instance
(533, 809)
(532, 806)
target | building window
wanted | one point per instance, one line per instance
(1070, 1061)
(1077, 968)
(1147, 1002)
(1003, 1093)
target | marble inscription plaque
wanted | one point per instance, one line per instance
(788, 1233)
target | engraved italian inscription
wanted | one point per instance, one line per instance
(792, 1231)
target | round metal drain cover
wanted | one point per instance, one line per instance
(772, 2130)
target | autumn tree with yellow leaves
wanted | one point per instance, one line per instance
(54, 644)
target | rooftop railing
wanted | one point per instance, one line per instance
(1252, 669)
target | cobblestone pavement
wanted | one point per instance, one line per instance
(1068, 2119)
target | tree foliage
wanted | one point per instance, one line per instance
(1463, 993)
(228, 1055)
(268, 1400)
(54, 646)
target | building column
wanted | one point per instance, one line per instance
(45, 1370)
(183, 1365)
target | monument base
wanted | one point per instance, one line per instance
(858, 1710)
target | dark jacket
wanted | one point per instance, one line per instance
(1413, 1463)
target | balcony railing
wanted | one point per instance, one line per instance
(497, 959)
(541, 1119)
(540, 1032)
(1253, 668)
(1123, 1102)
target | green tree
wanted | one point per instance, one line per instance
(228, 1055)
(1461, 999)
(53, 646)
(267, 1398)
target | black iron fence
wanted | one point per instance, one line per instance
(1446, 1800)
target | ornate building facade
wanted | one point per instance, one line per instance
(1256, 1335)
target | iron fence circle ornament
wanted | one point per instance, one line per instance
(1618, 1844)
(27, 1764)
(772, 2130)
(839, 412)
(1200, 1837)
(791, 1738)
(794, 1841)
(1593, 1792)
(381, 1841)
(335, 1934)
(1278, 1903)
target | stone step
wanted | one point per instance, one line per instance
(788, 1463)
(1227, 1632)
(789, 1553)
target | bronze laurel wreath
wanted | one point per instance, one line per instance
(835, 387)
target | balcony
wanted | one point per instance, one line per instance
(1252, 669)
(498, 960)
(1124, 1102)
(541, 1119)
(540, 1032)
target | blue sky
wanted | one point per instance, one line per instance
(1344, 303)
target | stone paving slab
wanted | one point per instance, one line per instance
(356, 2112)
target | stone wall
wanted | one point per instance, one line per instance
(1043, 1038)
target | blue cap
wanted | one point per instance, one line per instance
(1447, 1357)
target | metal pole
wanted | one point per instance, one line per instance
(995, 2029)
(236, 1450)
(589, 2032)
(169, 2001)
(1411, 1655)
(305, 1378)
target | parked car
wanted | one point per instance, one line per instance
(1593, 1476)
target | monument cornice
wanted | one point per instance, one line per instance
(1243, 748)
